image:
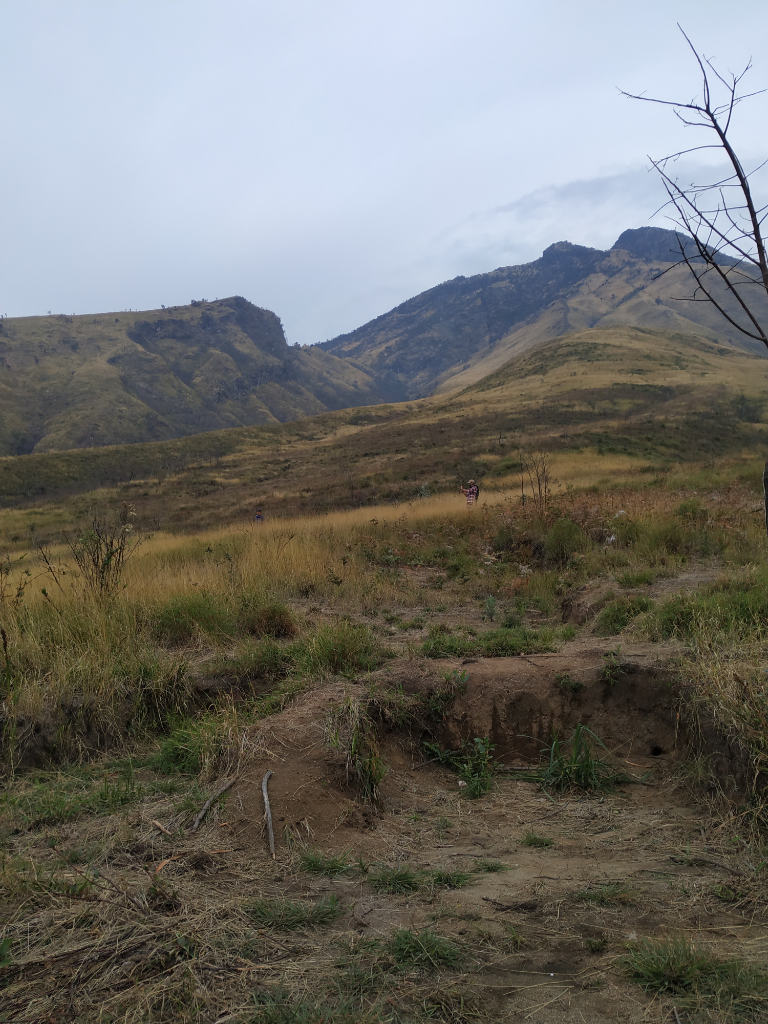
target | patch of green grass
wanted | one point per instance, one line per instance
(563, 540)
(619, 613)
(450, 879)
(285, 915)
(564, 681)
(260, 661)
(638, 577)
(178, 620)
(49, 798)
(574, 766)
(697, 979)
(395, 880)
(317, 863)
(490, 867)
(474, 763)
(266, 618)
(283, 1007)
(339, 648)
(423, 951)
(736, 607)
(595, 945)
(610, 894)
(536, 841)
(493, 643)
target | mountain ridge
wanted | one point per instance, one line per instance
(79, 381)
(430, 342)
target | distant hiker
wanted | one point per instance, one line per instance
(259, 517)
(472, 492)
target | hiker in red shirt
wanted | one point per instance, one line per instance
(472, 492)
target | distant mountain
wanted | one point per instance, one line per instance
(81, 381)
(457, 332)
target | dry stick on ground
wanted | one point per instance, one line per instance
(204, 809)
(268, 812)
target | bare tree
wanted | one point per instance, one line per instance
(727, 258)
(721, 216)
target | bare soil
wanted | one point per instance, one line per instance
(164, 934)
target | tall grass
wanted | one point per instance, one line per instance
(86, 670)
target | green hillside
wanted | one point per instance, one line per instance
(623, 402)
(115, 378)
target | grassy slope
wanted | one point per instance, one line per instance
(71, 382)
(638, 398)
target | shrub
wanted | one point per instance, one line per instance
(563, 540)
(474, 763)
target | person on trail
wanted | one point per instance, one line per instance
(472, 492)
(259, 517)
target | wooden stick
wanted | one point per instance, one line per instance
(204, 809)
(268, 812)
(161, 827)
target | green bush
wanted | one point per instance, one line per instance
(617, 614)
(563, 540)
(179, 619)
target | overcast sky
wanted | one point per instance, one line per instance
(328, 159)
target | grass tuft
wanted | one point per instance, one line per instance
(610, 894)
(697, 979)
(285, 915)
(395, 880)
(537, 842)
(317, 863)
(423, 951)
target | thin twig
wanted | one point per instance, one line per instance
(204, 809)
(268, 812)
(162, 828)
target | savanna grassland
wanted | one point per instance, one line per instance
(519, 751)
